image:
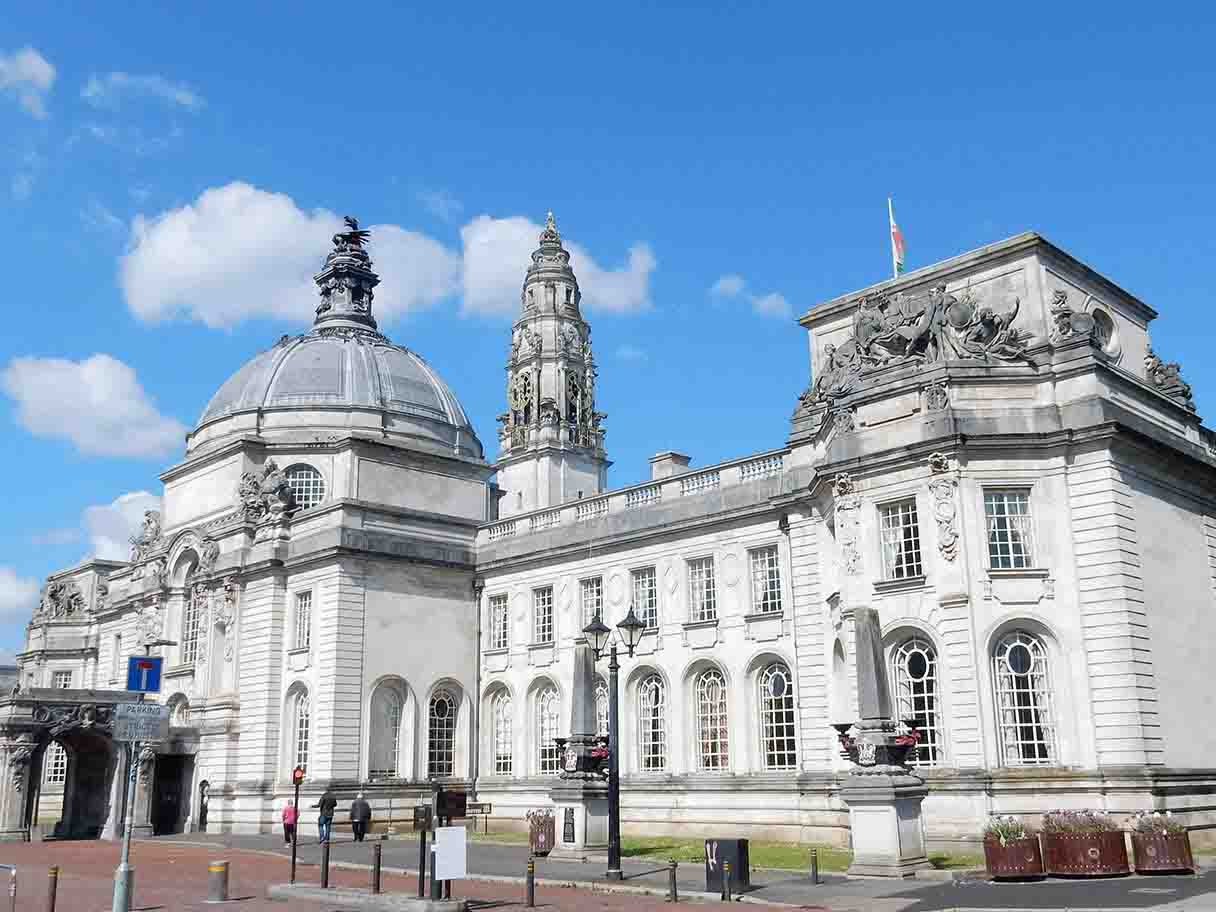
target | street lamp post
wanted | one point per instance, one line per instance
(598, 635)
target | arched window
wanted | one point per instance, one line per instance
(441, 729)
(55, 764)
(1025, 720)
(179, 712)
(777, 741)
(306, 485)
(652, 725)
(712, 741)
(385, 728)
(547, 760)
(601, 708)
(503, 707)
(914, 675)
(301, 725)
(193, 612)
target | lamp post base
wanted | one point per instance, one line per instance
(124, 882)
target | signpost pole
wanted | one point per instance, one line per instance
(297, 777)
(123, 874)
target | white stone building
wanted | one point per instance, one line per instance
(990, 454)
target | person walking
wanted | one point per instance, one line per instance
(360, 817)
(325, 818)
(290, 812)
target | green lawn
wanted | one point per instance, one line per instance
(762, 854)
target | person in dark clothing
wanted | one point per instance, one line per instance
(325, 819)
(360, 817)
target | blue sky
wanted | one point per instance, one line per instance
(168, 172)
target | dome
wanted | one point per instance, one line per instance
(343, 375)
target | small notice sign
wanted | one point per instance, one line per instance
(141, 722)
(451, 853)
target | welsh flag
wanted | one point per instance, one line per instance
(897, 242)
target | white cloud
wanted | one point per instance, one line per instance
(496, 254)
(97, 404)
(630, 353)
(29, 76)
(55, 537)
(442, 204)
(733, 285)
(110, 526)
(18, 596)
(239, 252)
(110, 90)
(728, 286)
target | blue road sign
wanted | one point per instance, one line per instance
(143, 673)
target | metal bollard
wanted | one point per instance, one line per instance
(673, 892)
(814, 866)
(217, 882)
(726, 881)
(52, 887)
(376, 868)
(325, 864)
(422, 867)
(531, 902)
(12, 889)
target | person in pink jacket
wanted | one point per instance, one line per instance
(289, 821)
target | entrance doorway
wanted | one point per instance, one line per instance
(168, 793)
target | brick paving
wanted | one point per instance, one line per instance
(173, 877)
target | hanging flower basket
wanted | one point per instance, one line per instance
(1160, 844)
(1011, 850)
(1083, 843)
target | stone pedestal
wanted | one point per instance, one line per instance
(884, 815)
(581, 811)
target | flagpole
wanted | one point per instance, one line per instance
(891, 238)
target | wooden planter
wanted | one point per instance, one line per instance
(1085, 853)
(1158, 852)
(1016, 858)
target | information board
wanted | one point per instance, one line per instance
(141, 722)
(451, 854)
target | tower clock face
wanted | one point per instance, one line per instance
(571, 760)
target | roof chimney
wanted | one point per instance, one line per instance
(666, 464)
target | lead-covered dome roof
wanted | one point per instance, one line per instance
(342, 375)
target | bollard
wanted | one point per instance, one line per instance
(814, 866)
(376, 868)
(217, 882)
(325, 864)
(531, 903)
(726, 881)
(12, 889)
(422, 867)
(673, 892)
(52, 887)
(436, 885)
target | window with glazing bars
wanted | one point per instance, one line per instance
(702, 600)
(646, 596)
(900, 540)
(307, 485)
(592, 591)
(652, 725)
(441, 735)
(56, 764)
(62, 680)
(713, 752)
(192, 625)
(547, 760)
(302, 637)
(303, 722)
(914, 666)
(542, 615)
(766, 580)
(499, 637)
(116, 660)
(387, 707)
(777, 742)
(1010, 537)
(503, 710)
(1025, 718)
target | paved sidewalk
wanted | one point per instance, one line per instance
(837, 893)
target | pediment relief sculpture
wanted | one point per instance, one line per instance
(902, 329)
(61, 599)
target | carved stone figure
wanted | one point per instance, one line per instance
(147, 766)
(259, 495)
(1167, 378)
(571, 344)
(848, 531)
(945, 509)
(149, 624)
(845, 419)
(935, 397)
(843, 485)
(208, 554)
(19, 756)
(61, 599)
(159, 572)
(61, 719)
(149, 537)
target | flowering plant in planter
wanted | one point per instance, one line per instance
(907, 734)
(1006, 829)
(1155, 823)
(1078, 822)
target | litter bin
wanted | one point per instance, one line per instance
(542, 831)
(720, 851)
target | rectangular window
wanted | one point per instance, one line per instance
(702, 600)
(646, 597)
(900, 540)
(1010, 542)
(62, 680)
(192, 623)
(592, 591)
(542, 615)
(56, 764)
(116, 659)
(766, 580)
(302, 638)
(499, 638)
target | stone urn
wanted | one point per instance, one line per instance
(1012, 858)
(1085, 853)
(1162, 852)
